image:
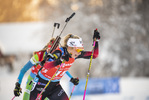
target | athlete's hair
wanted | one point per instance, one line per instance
(64, 44)
(49, 43)
(46, 46)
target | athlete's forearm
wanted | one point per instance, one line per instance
(68, 75)
(87, 54)
(26, 67)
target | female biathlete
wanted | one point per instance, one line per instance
(71, 50)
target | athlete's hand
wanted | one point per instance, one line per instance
(96, 34)
(75, 81)
(17, 90)
(66, 57)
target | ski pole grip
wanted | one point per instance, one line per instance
(69, 17)
(58, 25)
(55, 24)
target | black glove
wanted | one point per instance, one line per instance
(42, 62)
(66, 57)
(60, 60)
(96, 34)
(17, 89)
(75, 81)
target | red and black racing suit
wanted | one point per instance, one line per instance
(54, 91)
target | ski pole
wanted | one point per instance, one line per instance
(55, 24)
(13, 97)
(89, 70)
(72, 91)
(38, 97)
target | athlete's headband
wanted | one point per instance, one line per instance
(75, 42)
